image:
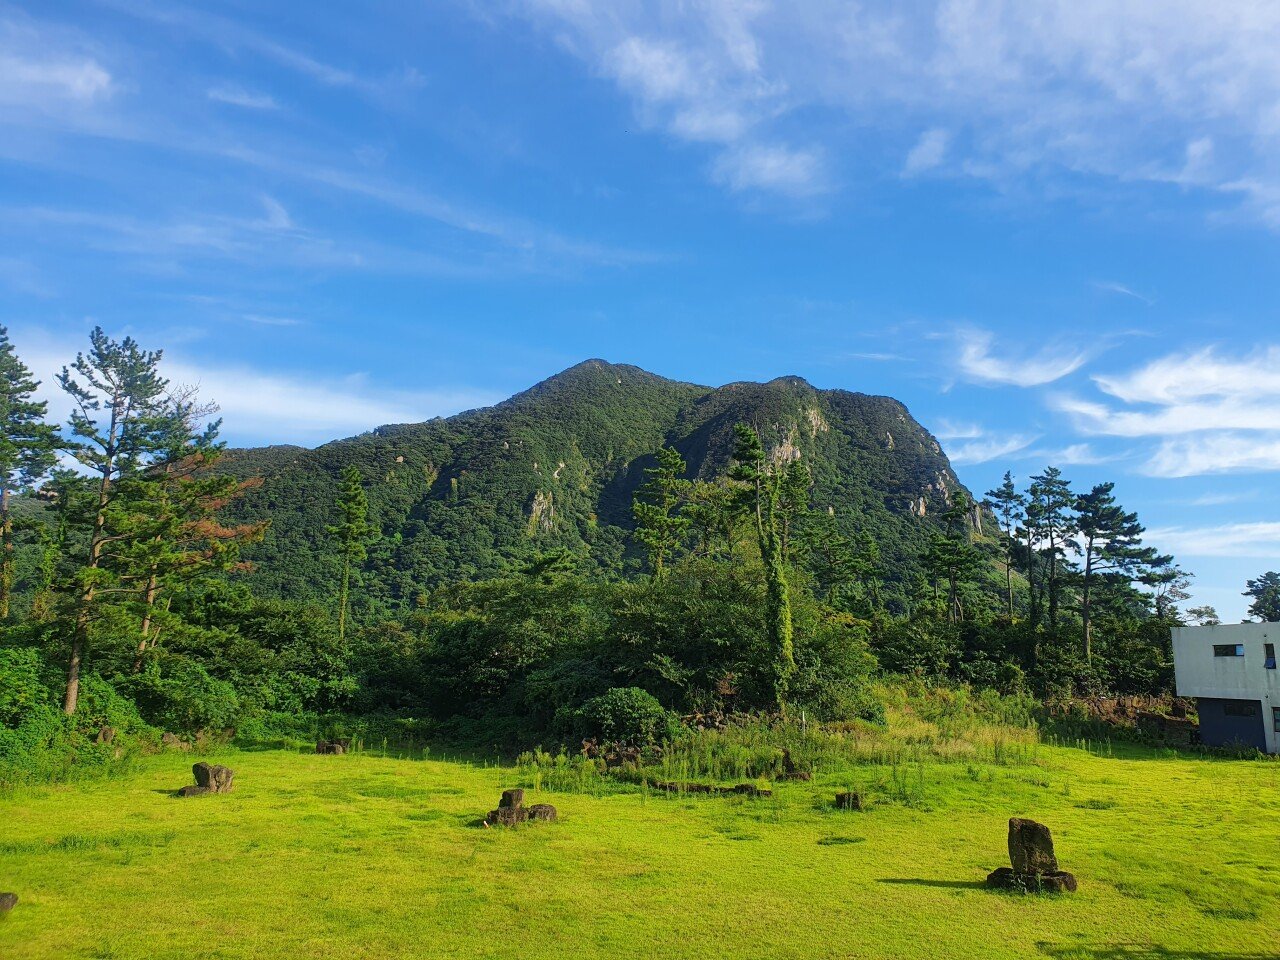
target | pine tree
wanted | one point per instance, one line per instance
(760, 500)
(179, 504)
(352, 534)
(27, 451)
(1050, 506)
(660, 526)
(1111, 546)
(952, 556)
(1009, 506)
(123, 422)
(1265, 591)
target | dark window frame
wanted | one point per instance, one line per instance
(1228, 649)
(1239, 708)
(1269, 656)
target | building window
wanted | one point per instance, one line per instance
(1269, 655)
(1275, 717)
(1239, 708)
(1228, 649)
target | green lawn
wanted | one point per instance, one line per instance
(364, 856)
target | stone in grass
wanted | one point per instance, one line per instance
(214, 777)
(1034, 865)
(507, 816)
(193, 790)
(1031, 847)
(849, 801)
(330, 747)
(7, 902)
(512, 798)
(542, 811)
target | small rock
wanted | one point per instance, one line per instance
(849, 801)
(507, 816)
(7, 902)
(1058, 881)
(215, 777)
(106, 734)
(1031, 847)
(193, 790)
(512, 798)
(174, 742)
(542, 811)
(330, 746)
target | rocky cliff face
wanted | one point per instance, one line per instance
(557, 466)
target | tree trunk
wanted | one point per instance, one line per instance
(153, 587)
(6, 554)
(80, 637)
(342, 601)
(1008, 575)
(1085, 601)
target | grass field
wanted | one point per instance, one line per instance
(367, 856)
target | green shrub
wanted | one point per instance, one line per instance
(625, 714)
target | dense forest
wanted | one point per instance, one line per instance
(599, 556)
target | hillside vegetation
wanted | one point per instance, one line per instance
(558, 465)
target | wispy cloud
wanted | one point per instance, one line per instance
(989, 448)
(1111, 286)
(1126, 93)
(48, 70)
(978, 362)
(1211, 413)
(272, 406)
(929, 152)
(1258, 539)
(240, 97)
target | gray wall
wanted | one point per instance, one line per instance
(1219, 730)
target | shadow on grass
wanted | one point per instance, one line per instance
(947, 884)
(1129, 951)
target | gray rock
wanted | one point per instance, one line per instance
(542, 811)
(512, 798)
(1031, 847)
(507, 816)
(193, 790)
(213, 776)
(7, 902)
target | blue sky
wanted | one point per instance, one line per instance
(1050, 229)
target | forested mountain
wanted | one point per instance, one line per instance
(557, 467)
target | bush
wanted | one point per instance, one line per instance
(627, 715)
(179, 695)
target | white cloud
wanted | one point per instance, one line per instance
(240, 97)
(1179, 92)
(978, 363)
(796, 173)
(929, 152)
(267, 406)
(1212, 413)
(991, 448)
(1111, 286)
(43, 70)
(1234, 540)
(1216, 453)
(955, 430)
(1179, 378)
(1072, 455)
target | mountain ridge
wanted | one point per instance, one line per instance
(557, 464)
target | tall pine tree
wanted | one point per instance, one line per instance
(123, 422)
(760, 495)
(660, 525)
(352, 533)
(27, 451)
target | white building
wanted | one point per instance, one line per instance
(1231, 671)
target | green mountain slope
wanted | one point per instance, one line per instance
(557, 465)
